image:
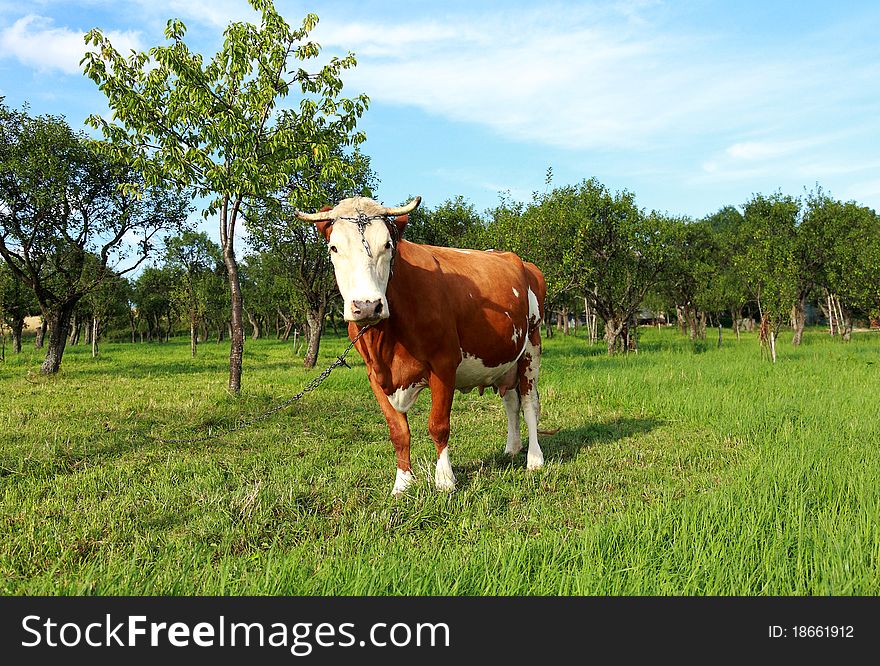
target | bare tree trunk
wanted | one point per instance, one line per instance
(255, 325)
(613, 330)
(41, 333)
(799, 319)
(773, 345)
(566, 327)
(228, 219)
(193, 340)
(94, 337)
(17, 328)
(720, 331)
(314, 318)
(59, 329)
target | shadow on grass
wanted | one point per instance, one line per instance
(566, 444)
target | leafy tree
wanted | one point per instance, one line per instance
(215, 125)
(194, 260)
(62, 202)
(108, 300)
(298, 251)
(153, 299)
(851, 266)
(769, 261)
(17, 302)
(454, 223)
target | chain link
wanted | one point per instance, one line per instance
(311, 386)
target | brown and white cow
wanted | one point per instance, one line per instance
(439, 318)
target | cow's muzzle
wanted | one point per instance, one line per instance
(368, 312)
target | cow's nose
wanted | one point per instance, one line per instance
(366, 309)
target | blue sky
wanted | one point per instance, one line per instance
(691, 105)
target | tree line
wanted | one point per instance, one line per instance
(79, 215)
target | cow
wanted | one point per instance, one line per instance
(438, 318)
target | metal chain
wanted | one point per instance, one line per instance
(311, 386)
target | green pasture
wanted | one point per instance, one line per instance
(685, 469)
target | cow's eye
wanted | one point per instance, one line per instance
(333, 248)
(388, 245)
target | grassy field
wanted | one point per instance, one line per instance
(684, 470)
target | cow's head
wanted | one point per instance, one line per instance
(362, 236)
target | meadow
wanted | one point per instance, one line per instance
(685, 469)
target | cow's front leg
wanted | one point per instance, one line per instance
(398, 430)
(438, 426)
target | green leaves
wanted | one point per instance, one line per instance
(216, 126)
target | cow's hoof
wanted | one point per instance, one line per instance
(444, 479)
(535, 461)
(512, 449)
(401, 483)
(445, 482)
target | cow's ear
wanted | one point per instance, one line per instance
(400, 222)
(325, 226)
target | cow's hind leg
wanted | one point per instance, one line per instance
(512, 406)
(438, 427)
(529, 367)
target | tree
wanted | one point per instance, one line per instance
(154, 300)
(299, 250)
(17, 302)
(851, 268)
(769, 261)
(453, 223)
(103, 303)
(599, 243)
(215, 126)
(194, 261)
(62, 201)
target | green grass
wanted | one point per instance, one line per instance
(685, 469)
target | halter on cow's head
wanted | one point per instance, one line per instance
(362, 236)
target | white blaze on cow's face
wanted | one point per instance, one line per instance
(362, 277)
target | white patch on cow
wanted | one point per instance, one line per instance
(444, 479)
(517, 332)
(472, 372)
(515, 292)
(534, 309)
(462, 251)
(403, 398)
(402, 482)
(508, 315)
(514, 439)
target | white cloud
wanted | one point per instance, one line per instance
(561, 78)
(34, 42)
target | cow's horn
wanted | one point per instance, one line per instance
(403, 210)
(314, 217)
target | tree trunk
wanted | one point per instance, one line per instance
(193, 337)
(799, 319)
(94, 328)
(41, 333)
(255, 324)
(773, 345)
(17, 328)
(59, 328)
(613, 329)
(314, 318)
(720, 331)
